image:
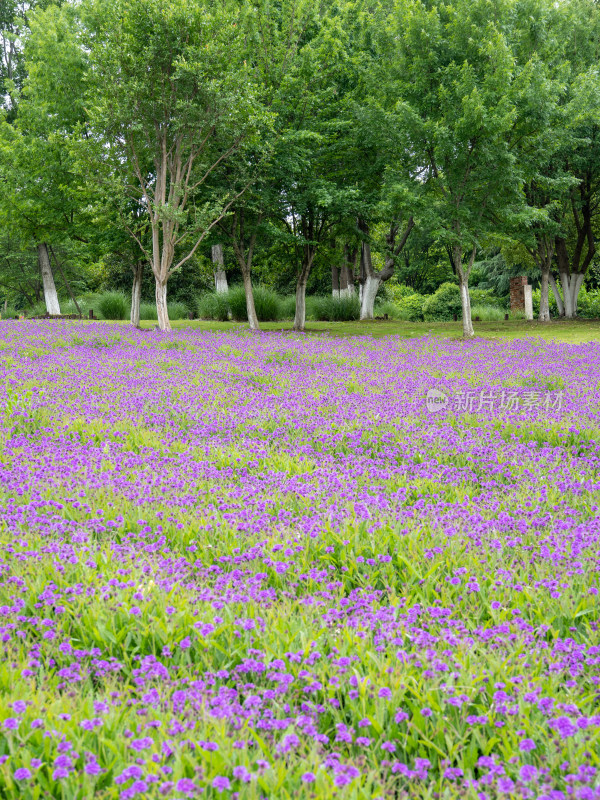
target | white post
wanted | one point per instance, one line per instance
(528, 302)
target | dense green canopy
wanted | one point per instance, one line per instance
(331, 146)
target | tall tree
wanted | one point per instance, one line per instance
(461, 97)
(173, 100)
(43, 200)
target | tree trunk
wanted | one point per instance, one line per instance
(544, 302)
(555, 291)
(335, 281)
(576, 284)
(465, 301)
(369, 293)
(300, 315)
(136, 293)
(161, 306)
(221, 286)
(565, 280)
(50, 294)
(347, 273)
(250, 308)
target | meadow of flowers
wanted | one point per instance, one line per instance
(257, 566)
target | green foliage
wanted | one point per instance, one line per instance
(387, 308)
(444, 304)
(288, 306)
(148, 311)
(483, 297)
(334, 309)
(396, 292)
(488, 313)
(113, 305)
(236, 298)
(177, 310)
(213, 305)
(411, 307)
(267, 304)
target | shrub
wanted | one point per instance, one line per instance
(213, 306)
(177, 310)
(113, 305)
(288, 306)
(443, 304)
(69, 307)
(267, 304)
(9, 312)
(148, 311)
(336, 309)
(411, 307)
(383, 307)
(483, 297)
(487, 313)
(396, 292)
(236, 298)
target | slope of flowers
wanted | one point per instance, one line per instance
(258, 566)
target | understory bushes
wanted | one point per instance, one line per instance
(113, 305)
(232, 304)
(335, 309)
(176, 311)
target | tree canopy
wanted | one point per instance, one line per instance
(325, 146)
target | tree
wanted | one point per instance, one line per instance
(461, 99)
(172, 100)
(42, 199)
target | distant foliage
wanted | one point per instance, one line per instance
(288, 306)
(177, 310)
(334, 309)
(487, 313)
(386, 307)
(113, 305)
(236, 297)
(443, 304)
(411, 307)
(148, 311)
(232, 304)
(267, 304)
(213, 306)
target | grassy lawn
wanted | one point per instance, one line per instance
(574, 332)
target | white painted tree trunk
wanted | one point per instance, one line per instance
(161, 306)
(300, 315)
(250, 308)
(465, 300)
(555, 291)
(221, 286)
(576, 284)
(544, 301)
(50, 294)
(335, 282)
(136, 294)
(565, 280)
(369, 293)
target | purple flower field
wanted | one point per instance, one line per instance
(257, 566)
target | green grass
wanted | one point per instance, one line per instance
(573, 332)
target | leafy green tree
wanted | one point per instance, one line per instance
(462, 98)
(43, 199)
(172, 101)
